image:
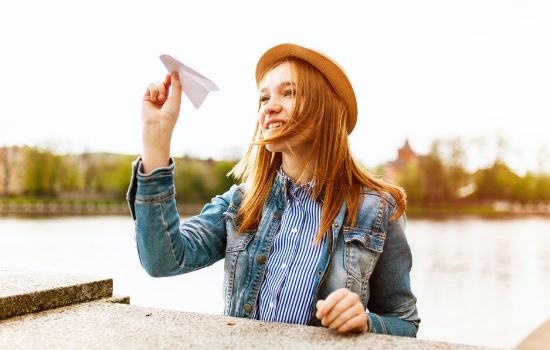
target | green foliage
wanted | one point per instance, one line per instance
(43, 172)
(198, 181)
(496, 182)
(113, 179)
(437, 178)
(410, 178)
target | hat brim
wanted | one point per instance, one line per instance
(328, 67)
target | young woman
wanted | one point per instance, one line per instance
(309, 237)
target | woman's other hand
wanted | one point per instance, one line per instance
(160, 112)
(343, 310)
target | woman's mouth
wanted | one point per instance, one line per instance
(275, 125)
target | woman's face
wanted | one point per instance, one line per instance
(277, 100)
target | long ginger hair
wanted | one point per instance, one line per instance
(337, 176)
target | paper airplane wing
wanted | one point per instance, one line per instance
(195, 85)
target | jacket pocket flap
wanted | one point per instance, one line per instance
(368, 238)
(236, 241)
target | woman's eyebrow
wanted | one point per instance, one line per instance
(281, 85)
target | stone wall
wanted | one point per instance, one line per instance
(53, 311)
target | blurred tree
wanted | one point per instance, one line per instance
(525, 188)
(222, 181)
(496, 182)
(542, 188)
(190, 181)
(433, 175)
(43, 172)
(113, 178)
(410, 178)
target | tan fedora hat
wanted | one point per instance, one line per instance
(326, 65)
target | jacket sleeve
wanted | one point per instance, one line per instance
(166, 245)
(392, 304)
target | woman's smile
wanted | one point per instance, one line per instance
(273, 125)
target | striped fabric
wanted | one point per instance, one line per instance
(286, 294)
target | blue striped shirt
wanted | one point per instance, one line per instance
(287, 291)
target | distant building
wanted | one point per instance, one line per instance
(405, 155)
(11, 170)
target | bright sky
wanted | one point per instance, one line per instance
(73, 73)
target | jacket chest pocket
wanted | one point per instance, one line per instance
(362, 247)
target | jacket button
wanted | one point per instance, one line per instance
(277, 215)
(247, 307)
(261, 259)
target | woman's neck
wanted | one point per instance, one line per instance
(297, 169)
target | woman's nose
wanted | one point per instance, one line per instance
(272, 107)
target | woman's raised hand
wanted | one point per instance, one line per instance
(160, 112)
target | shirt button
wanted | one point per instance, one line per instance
(283, 266)
(261, 259)
(247, 307)
(271, 305)
(294, 230)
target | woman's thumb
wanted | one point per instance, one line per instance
(176, 85)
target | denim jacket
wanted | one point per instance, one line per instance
(372, 258)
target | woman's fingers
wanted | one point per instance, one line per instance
(153, 92)
(356, 324)
(340, 307)
(161, 92)
(167, 82)
(342, 310)
(156, 93)
(325, 306)
(346, 315)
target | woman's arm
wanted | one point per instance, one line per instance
(167, 246)
(159, 113)
(392, 304)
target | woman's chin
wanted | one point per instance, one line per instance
(274, 147)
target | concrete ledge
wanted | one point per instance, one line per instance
(118, 299)
(100, 325)
(23, 292)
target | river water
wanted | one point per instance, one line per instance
(478, 281)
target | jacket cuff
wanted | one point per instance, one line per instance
(376, 325)
(150, 183)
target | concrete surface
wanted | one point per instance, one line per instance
(538, 340)
(100, 325)
(23, 292)
(61, 311)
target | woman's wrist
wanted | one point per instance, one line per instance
(366, 330)
(150, 163)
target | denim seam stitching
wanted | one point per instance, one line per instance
(141, 199)
(384, 330)
(165, 225)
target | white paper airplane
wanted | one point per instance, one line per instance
(195, 85)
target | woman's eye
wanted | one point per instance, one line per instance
(264, 98)
(289, 93)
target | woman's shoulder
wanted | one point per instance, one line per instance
(385, 197)
(234, 195)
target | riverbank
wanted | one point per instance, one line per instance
(23, 206)
(58, 207)
(494, 210)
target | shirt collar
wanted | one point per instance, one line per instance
(292, 188)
